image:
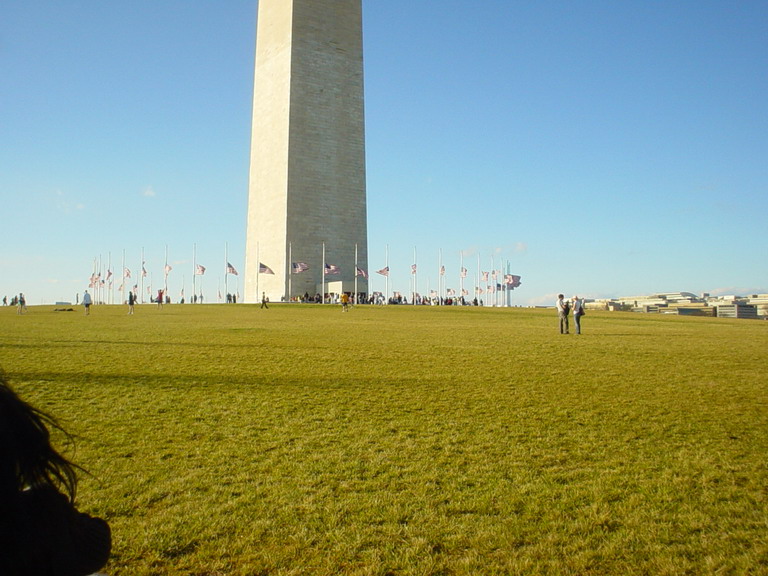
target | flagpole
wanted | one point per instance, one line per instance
(194, 272)
(386, 259)
(258, 271)
(415, 277)
(461, 274)
(493, 274)
(440, 279)
(290, 266)
(165, 274)
(477, 289)
(98, 295)
(354, 301)
(141, 289)
(323, 294)
(226, 269)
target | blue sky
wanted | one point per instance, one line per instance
(601, 148)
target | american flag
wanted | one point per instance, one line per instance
(199, 270)
(331, 269)
(143, 270)
(413, 268)
(231, 269)
(360, 272)
(109, 274)
(442, 270)
(485, 276)
(463, 272)
(464, 292)
(264, 269)
(299, 267)
(451, 292)
(384, 271)
(126, 273)
(167, 269)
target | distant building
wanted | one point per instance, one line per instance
(689, 304)
(737, 311)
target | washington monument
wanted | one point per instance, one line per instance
(307, 176)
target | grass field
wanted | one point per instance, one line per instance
(408, 441)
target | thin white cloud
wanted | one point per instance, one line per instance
(65, 205)
(149, 192)
(737, 291)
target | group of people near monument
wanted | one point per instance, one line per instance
(564, 308)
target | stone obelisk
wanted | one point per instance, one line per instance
(307, 176)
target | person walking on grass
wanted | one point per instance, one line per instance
(344, 302)
(131, 301)
(87, 302)
(578, 312)
(563, 309)
(264, 300)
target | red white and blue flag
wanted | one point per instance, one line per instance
(299, 267)
(512, 280)
(199, 270)
(264, 269)
(360, 272)
(231, 269)
(384, 271)
(331, 269)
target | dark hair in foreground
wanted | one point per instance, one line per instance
(41, 531)
(27, 458)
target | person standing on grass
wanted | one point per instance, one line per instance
(131, 301)
(21, 304)
(563, 308)
(41, 531)
(87, 302)
(344, 302)
(578, 312)
(264, 300)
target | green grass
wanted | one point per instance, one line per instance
(408, 441)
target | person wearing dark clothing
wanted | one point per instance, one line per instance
(563, 309)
